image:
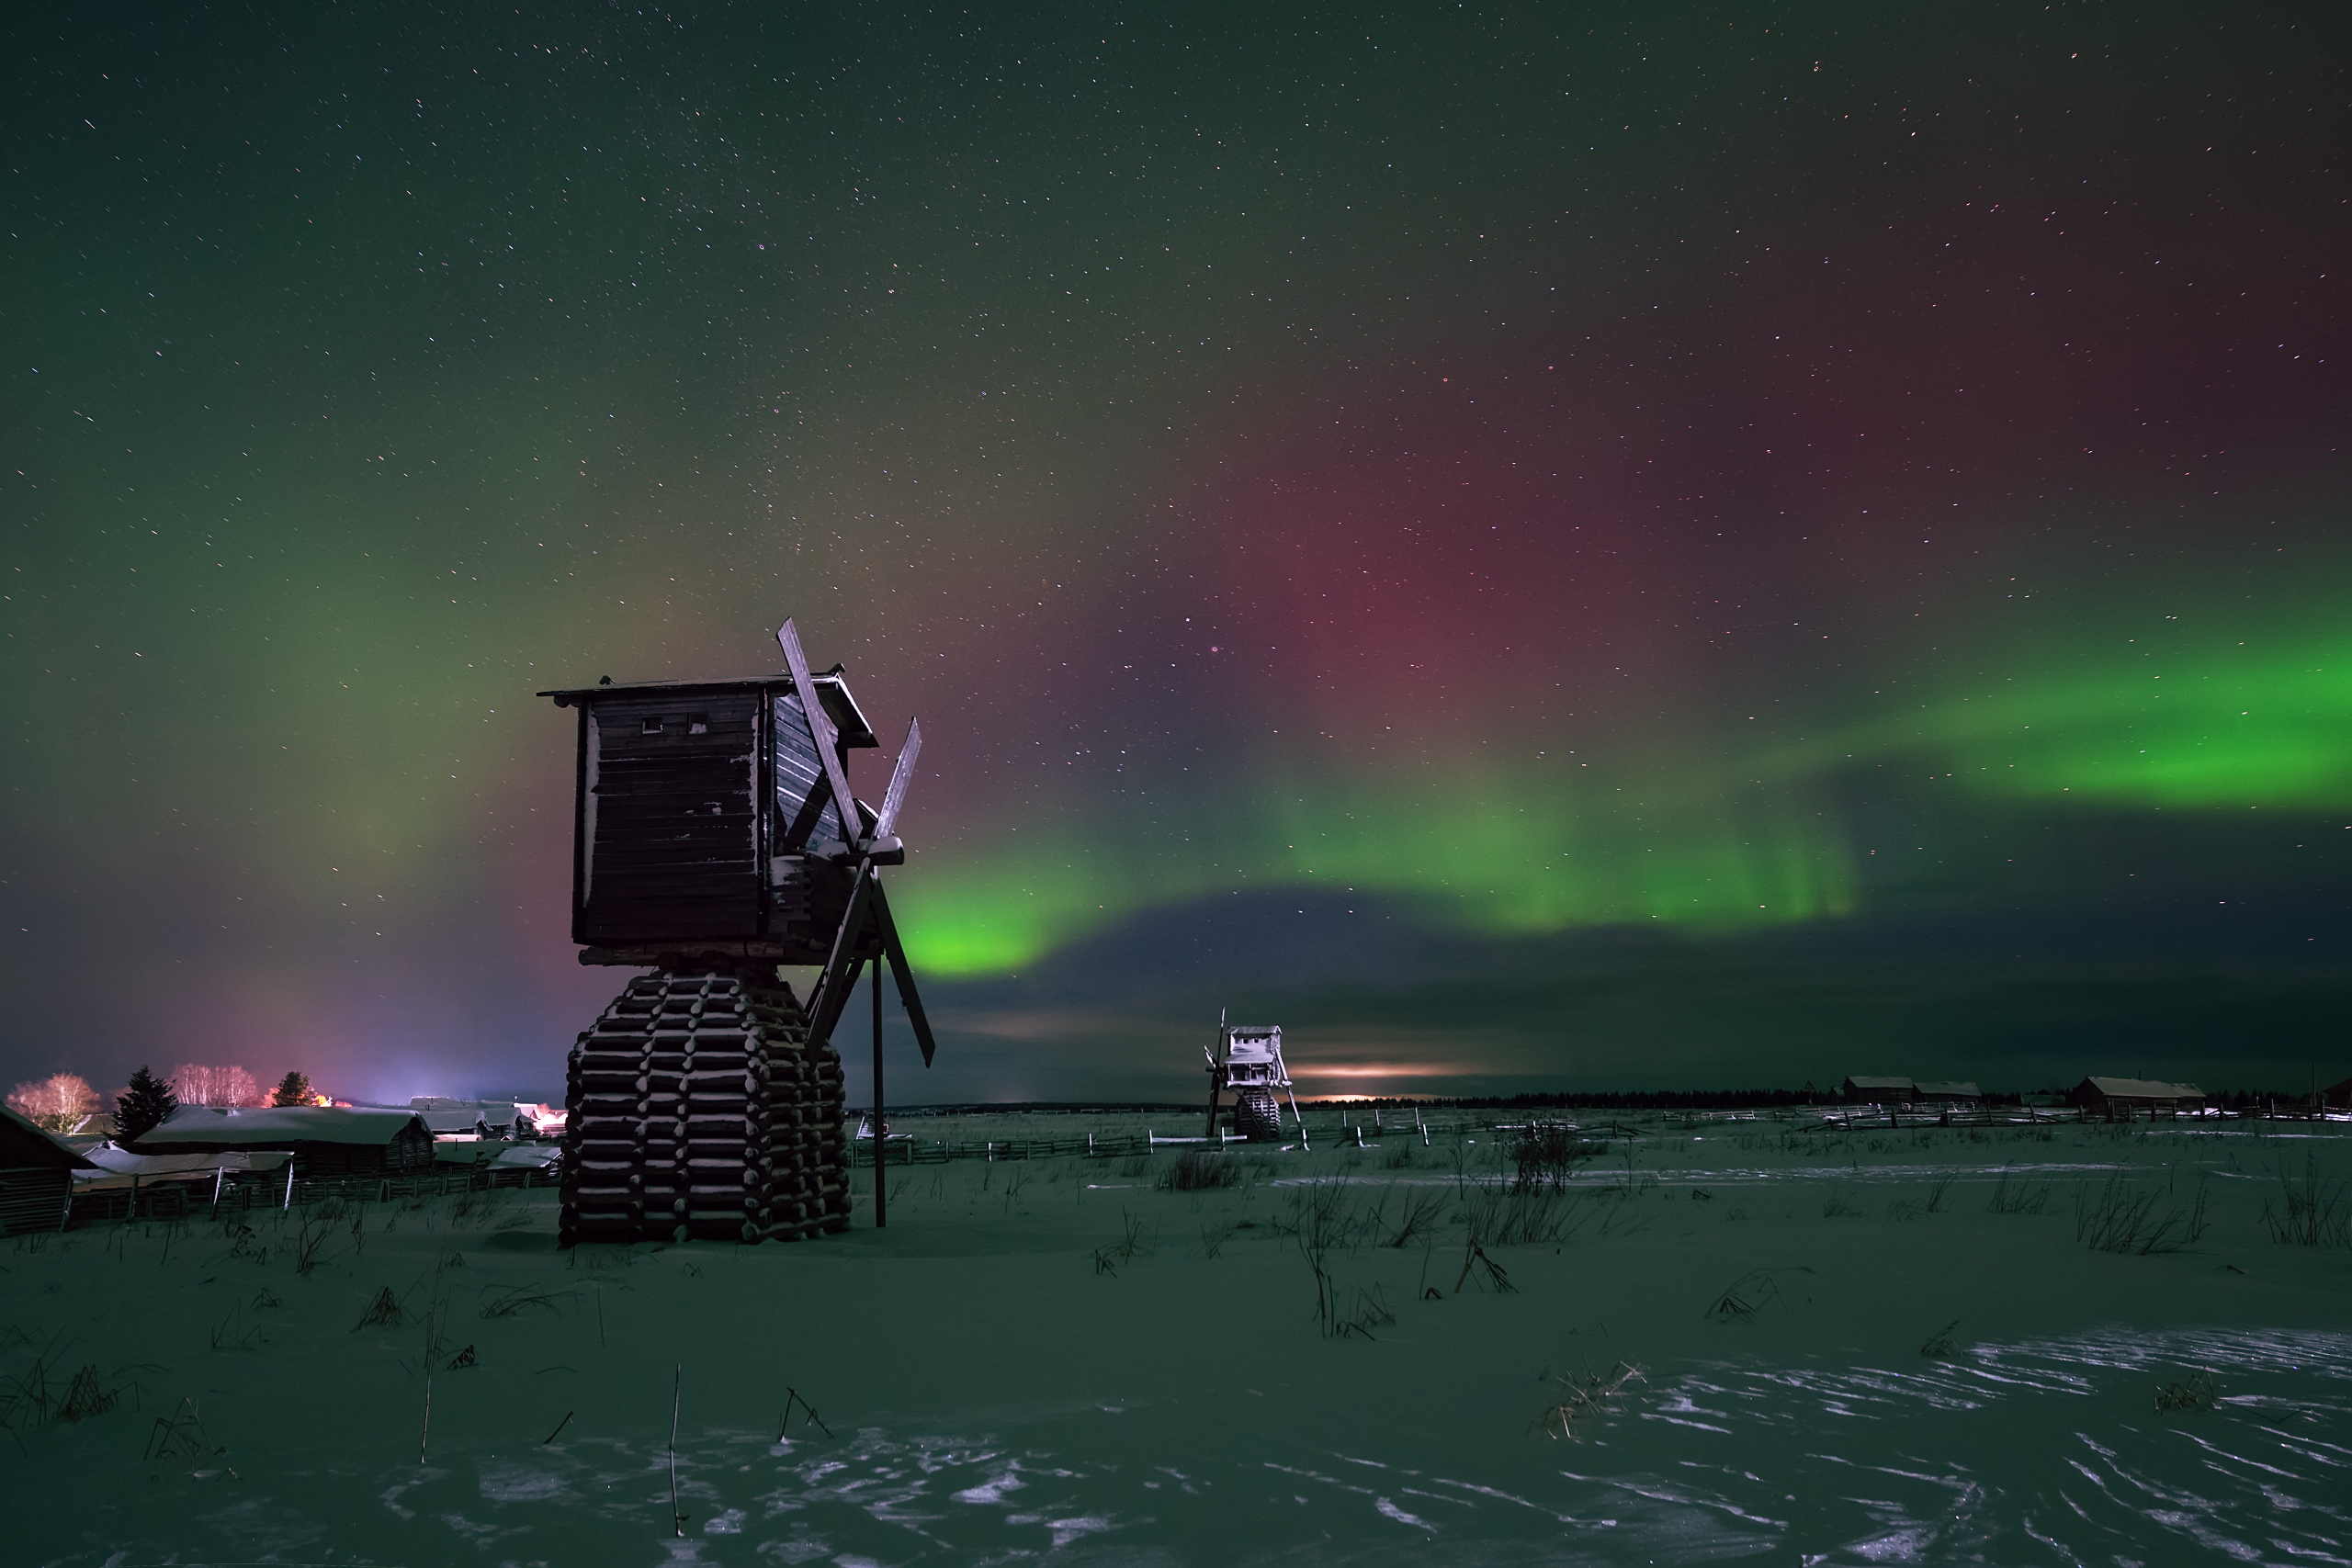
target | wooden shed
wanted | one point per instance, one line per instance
(2129, 1097)
(325, 1140)
(1950, 1092)
(1865, 1089)
(36, 1176)
(2337, 1097)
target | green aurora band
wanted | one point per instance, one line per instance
(1707, 844)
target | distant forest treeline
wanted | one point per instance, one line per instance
(1629, 1100)
(1563, 1099)
(1746, 1099)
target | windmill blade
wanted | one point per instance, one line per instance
(902, 971)
(821, 726)
(841, 968)
(896, 795)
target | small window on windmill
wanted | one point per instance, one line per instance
(698, 724)
(649, 727)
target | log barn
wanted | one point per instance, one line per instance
(36, 1176)
(325, 1141)
(2131, 1097)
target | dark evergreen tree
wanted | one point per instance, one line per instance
(144, 1106)
(294, 1088)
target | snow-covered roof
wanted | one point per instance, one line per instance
(1953, 1089)
(2143, 1088)
(276, 1126)
(444, 1119)
(122, 1162)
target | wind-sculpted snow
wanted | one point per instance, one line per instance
(1683, 1354)
(2031, 1451)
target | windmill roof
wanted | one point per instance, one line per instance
(831, 689)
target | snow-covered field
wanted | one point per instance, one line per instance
(1857, 1348)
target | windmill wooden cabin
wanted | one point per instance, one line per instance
(715, 838)
(697, 804)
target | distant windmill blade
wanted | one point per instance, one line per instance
(821, 724)
(840, 976)
(901, 971)
(1214, 1080)
(896, 795)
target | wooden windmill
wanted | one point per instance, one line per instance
(716, 837)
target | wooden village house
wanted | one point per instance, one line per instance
(325, 1141)
(36, 1176)
(2131, 1096)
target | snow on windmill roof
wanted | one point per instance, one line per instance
(276, 1127)
(849, 719)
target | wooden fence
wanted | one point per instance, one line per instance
(242, 1191)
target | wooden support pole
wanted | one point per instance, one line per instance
(881, 1127)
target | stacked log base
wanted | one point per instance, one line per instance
(699, 1109)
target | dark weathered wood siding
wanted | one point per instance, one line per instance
(670, 827)
(33, 1198)
(406, 1152)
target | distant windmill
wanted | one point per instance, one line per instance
(711, 843)
(1247, 1061)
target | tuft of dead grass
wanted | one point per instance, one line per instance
(1198, 1172)
(2309, 1212)
(180, 1437)
(86, 1396)
(311, 1246)
(515, 1299)
(1520, 1216)
(1586, 1397)
(2121, 1218)
(1130, 1243)
(383, 1311)
(2198, 1390)
(2023, 1198)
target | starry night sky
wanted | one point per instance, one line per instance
(1567, 547)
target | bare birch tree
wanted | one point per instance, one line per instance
(61, 1102)
(196, 1083)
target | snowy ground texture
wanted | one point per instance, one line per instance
(1718, 1343)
